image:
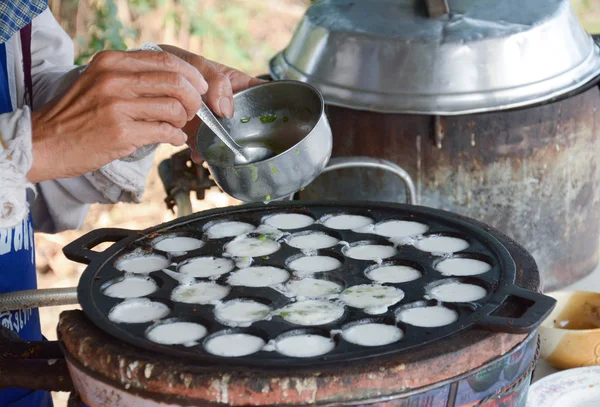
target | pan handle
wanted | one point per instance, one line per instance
(538, 311)
(80, 250)
(339, 163)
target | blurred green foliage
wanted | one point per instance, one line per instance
(225, 23)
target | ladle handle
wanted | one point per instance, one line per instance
(211, 121)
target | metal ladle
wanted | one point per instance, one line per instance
(243, 155)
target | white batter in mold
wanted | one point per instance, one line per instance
(373, 252)
(347, 222)
(251, 247)
(400, 228)
(142, 264)
(457, 292)
(258, 276)
(372, 334)
(391, 273)
(307, 265)
(241, 312)
(313, 288)
(199, 293)
(442, 244)
(228, 229)
(288, 221)
(131, 287)
(312, 241)
(177, 244)
(234, 345)
(205, 267)
(427, 317)
(176, 333)
(462, 267)
(304, 345)
(374, 299)
(311, 312)
(138, 311)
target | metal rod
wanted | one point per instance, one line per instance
(183, 203)
(38, 298)
(50, 375)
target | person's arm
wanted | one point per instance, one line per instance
(63, 203)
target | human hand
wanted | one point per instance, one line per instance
(223, 82)
(122, 101)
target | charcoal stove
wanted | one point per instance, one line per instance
(484, 358)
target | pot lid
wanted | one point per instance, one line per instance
(484, 55)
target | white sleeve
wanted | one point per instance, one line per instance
(62, 204)
(15, 162)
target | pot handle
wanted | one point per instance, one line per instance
(339, 163)
(80, 250)
(540, 307)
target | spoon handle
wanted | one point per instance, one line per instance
(207, 116)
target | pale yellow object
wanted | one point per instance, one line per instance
(571, 334)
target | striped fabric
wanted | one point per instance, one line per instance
(16, 14)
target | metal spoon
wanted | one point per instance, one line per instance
(243, 155)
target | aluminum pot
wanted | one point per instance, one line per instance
(288, 117)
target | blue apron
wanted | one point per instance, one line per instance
(17, 272)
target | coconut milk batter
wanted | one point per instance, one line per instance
(372, 334)
(393, 274)
(234, 345)
(462, 267)
(312, 241)
(251, 247)
(304, 346)
(205, 267)
(347, 222)
(228, 229)
(176, 333)
(137, 311)
(287, 221)
(258, 276)
(442, 244)
(177, 244)
(314, 264)
(400, 228)
(374, 299)
(199, 293)
(428, 317)
(457, 292)
(311, 312)
(131, 287)
(313, 288)
(371, 252)
(142, 264)
(241, 312)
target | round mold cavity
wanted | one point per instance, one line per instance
(288, 221)
(456, 290)
(463, 266)
(259, 276)
(346, 221)
(372, 298)
(425, 315)
(369, 250)
(304, 343)
(399, 229)
(129, 287)
(314, 287)
(199, 293)
(138, 262)
(371, 333)
(178, 242)
(205, 267)
(175, 331)
(242, 311)
(312, 240)
(138, 311)
(307, 265)
(442, 244)
(394, 272)
(235, 343)
(251, 247)
(311, 312)
(224, 229)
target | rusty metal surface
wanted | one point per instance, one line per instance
(33, 374)
(532, 173)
